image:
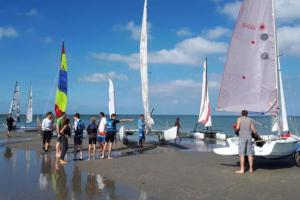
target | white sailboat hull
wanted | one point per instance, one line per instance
(274, 147)
(215, 135)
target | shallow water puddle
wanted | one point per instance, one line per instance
(27, 174)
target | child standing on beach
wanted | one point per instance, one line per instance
(65, 133)
(111, 130)
(78, 129)
(101, 132)
(141, 130)
(92, 132)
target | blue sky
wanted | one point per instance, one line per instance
(102, 40)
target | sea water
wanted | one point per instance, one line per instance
(188, 122)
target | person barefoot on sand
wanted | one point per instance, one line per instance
(101, 132)
(92, 132)
(245, 128)
(9, 123)
(59, 126)
(111, 130)
(47, 126)
(65, 133)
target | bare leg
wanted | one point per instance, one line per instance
(94, 150)
(103, 150)
(81, 153)
(58, 149)
(109, 150)
(250, 159)
(90, 148)
(242, 163)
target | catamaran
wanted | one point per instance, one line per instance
(205, 113)
(252, 79)
(165, 135)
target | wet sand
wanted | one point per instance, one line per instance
(175, 172)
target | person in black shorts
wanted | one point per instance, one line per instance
(47, 126)
(111, 130)
(9, 123)
(78, 137)
(92, 132)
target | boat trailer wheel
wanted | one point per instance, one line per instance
(297, 159)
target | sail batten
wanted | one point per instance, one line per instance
(250, 75)
(111, 98)
(144, 67)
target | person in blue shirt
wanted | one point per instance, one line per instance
(141, 130)
(110, 133)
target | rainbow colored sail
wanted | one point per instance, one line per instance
(62, 89)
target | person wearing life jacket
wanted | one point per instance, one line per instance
(110, 133)
(78, 129)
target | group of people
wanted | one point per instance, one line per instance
(104, 132)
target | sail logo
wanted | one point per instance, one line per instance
(248, 26)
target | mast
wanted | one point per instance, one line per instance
(281, 110)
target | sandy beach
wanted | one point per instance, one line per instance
(169, 172)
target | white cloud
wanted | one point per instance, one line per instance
(101, 77)
(8, 32)
(180, 86)
(135, 30)
(32, 12)
(217, 32)
(231, 9)
(189, 51)
(183, 32)
(48, 40)
(287, 9)
(289, 40)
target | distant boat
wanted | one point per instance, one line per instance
(29, 114)
(14, 109)
(171, 133)
(205, 113)
(111, 97)
(252, 79)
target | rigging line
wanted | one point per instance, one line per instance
(259, 123)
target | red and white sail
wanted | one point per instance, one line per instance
(205, 112)
(250, 75)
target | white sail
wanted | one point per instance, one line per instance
(284, 120)
(144, 67)
(280, 122)
(205, 114)
(29, 107)
(15, 104)
(250, 75)
(111, 98)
